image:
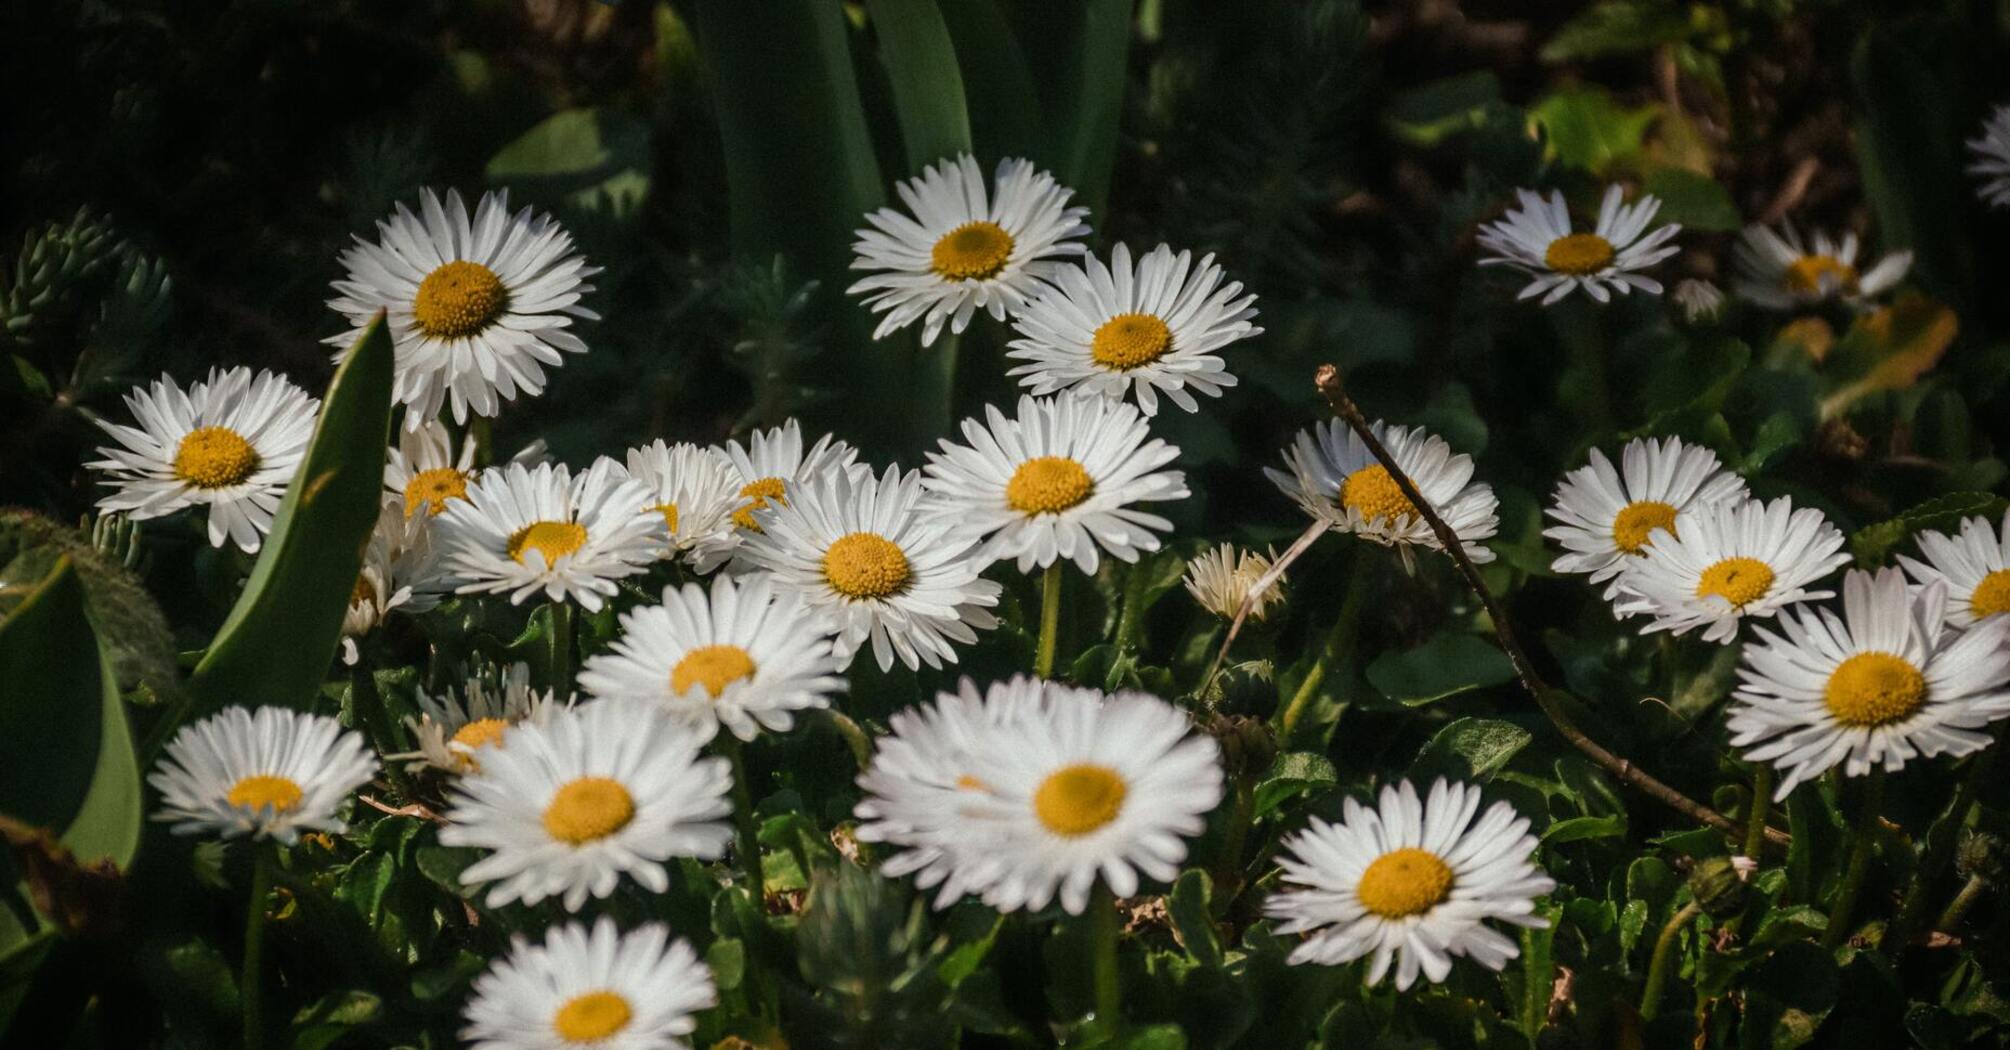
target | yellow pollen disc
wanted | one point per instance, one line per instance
(587, 810)
(362, 591)
(458, 299)
(669, 512)
(1128, 341)
(214, 458)
(713, 666)
(264, 791)
(1579, 254)
(1048, 485)
(1992, 595)
(1874, 689)
(866, 565)
(592, 1017)
(549, 538)
(434, 488)
(480, 733)
(1076, 800)
(1373, 492)
(972, 250)
(1634, 526)
(1808, 273)
(1404, 882)
(758, 493)
(1740, 581)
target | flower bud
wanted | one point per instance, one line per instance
(1718, 886)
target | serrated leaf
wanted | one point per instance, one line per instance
(1873, 543)
(1292, 774)
(1584, 128)
(1447, 665)
(1470, 749)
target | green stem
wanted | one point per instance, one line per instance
(1971, 891)
(1755, 817)
(1228, 871)
(561, 648)
(748, 836)
(1339, 640)
(1657, 966)
(1307, 689)
(855, 738)
(263, 859)
(368, 706)
(1103, 962)
(1863, 837)
(1938, 848)
(1050, 621)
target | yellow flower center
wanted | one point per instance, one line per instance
(214, 458)
(458, 299)
(1816, 274)
(552, 539)
(1128, 341)
(587, 810)
(265, 791)
(866, 565)
(1740, 581)
(1374, 493)
(434, 488)
(1404, 882)
(1579, 254)
(1874, 689)
(713, 666)
(669, 512)
(592, 1017)
(972, 250)
(1048, 485)
(758, 493)
(480, 733)
(1634, 526)
(1992, 595)
(1076, 800)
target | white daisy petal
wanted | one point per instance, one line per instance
(1335, 479)
(1992, 158)
(1606, 516)
(594, 988)
(269, 773)
(1724, 562)
(454, 728)
(1784, 271)
(524, 531)
(1536, 239)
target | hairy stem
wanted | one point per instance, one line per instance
(1657, 966)
(1103, 963)
(1971, 891)
(1863, 839)
(1762, 802)
(1050, 621)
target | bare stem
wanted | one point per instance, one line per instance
(1050, 621)
(1657, 966)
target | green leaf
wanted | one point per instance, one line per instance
(1428, 114)
(1874, 543)
(1697, 201)
(331, 1017)
(1586, 129)
(1617, 27)
(1188, 908)
(1447, 665)
(927, 86)
(1078, 59)
(1578, 829)
(1294, 773)
(280, 637)
(1004, 109)
(1470, 749)
(591, 159)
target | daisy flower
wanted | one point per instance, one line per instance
(1221, 578)
(597, 988)
(738, 656)
(1607, 516)
(1337, 480)
(1536, 239)
(453, 729)
(1410, 883)
(1700, 300)
(595, 792)
(863, 556)
(764, 469)
(696, 489)
(1975, 566)
(1782, 271)
(231, 443)
(477, 307)
(1727, 561)
(400, 571)
(423, 471)
(963, 249)
(267, 774)
(1059, 480)
(1152, 328)
(1992, 158)
(1886, 681)
(524, 530)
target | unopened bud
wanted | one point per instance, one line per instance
(1980, 855)
(1718, 886)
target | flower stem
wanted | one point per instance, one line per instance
(1657, 966)
(1103, 962)
(561, 648)
(1971, 891)
(1340, 640)
(263, 860)
(1938, 847)
(1050, 621)
(1755, 817)
(855, 738)
(367, 704)
(748, 836)
(1863, 838)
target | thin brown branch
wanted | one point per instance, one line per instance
(413, 810)
(1546, 696)
(1262, 586)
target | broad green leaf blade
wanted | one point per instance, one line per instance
(1081, 68)
(927, 85)
(1004, 108)
(591, 159)
(1447, 665)
(276, 645)
(1470, 749)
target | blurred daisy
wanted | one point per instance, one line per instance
(737, 656)
(271, 774)
(1699, 300)
(595, 792)
(1152, 328)
(1059, 480)
(1992, 158)
(477, 307)
(693, 487)
(453, 729)
(1221, 578)
(964, 249)
(400, 571)
(423, 471)
(1606, 516)
(524, 530)
(1782, 271)
(596, 988)
(231, 443)
(1975, 566)
(1728, 561)
(864, 558)
(1536, 239)
(1885, 682)
(764, 469)
(1413, 884)
(1336, 479)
